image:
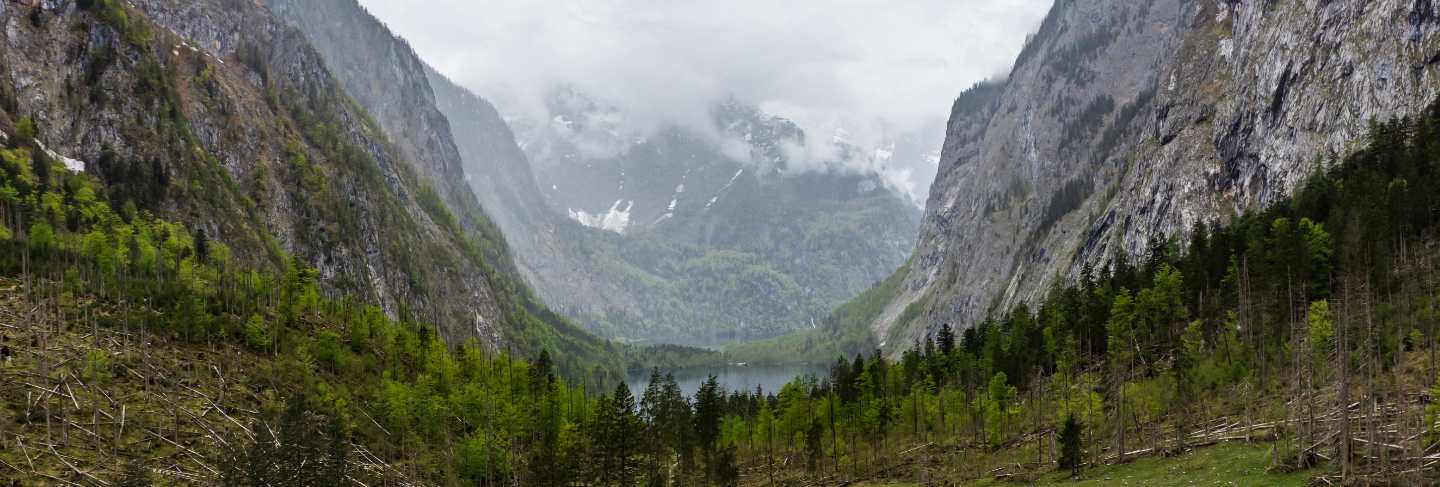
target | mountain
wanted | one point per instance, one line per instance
(738, 193)
(594, 168)
(652, 287)
(219, 115)
(667, 238)
(1124, 123)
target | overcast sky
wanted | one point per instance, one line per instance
(869, 66)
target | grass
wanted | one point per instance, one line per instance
(1223, 464)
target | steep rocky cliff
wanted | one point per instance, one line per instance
(1127, 121)
(496, 169)
(216, 113)
(384, 75)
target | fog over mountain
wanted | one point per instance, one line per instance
(841, 70)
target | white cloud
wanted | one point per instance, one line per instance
(879, 68)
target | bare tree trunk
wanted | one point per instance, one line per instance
(940, 406)
(1040, 417)
(1342, 365)
(1372, 362)
(1119, 418)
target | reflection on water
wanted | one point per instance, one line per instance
(770, 378)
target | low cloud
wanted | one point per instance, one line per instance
(874, 69)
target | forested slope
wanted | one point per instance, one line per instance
(135, 348)
(1311, 324)
(216, 115)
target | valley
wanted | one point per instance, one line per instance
(354, 242)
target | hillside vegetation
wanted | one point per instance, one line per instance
(137, 350)
(132, 340)
(1310, 325)
(138, 354)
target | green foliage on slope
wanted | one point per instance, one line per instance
(845, 332)
(1237, 325)
(352, 376)
(340, 386)
(315, 172)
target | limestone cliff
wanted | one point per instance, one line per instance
(218, 114)
(1127, 121)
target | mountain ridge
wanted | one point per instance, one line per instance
(220, 116)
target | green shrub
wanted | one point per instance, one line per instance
(97, 366)
(114, 14)
(25, 130)
(257, 335)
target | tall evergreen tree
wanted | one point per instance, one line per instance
(708, 411)
(1070, 445)
(624, 435)
(945, 339)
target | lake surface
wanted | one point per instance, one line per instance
(732, 377)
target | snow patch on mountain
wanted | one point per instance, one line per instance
(74, 165)
(616, 220)
(724, 188)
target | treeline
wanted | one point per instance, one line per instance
(1303, 314)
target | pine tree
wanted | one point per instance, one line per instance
(813, 448)
(708, 410)
(653, 412)
(726, 469)
(946, 339)
(1070, 445)
(542, 373)
(624, 434)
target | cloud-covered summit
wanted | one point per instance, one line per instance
(869, 70)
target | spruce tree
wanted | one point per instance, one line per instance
(1070, 455)
(624, 434)
(708, 410)
(946, 339)
(813, 448)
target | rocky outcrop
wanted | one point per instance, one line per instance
(384, 75)
(1126, 121)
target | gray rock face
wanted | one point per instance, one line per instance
(495, 168)
(385, 76)
(253, 141)
(1124, 121)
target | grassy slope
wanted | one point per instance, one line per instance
(1223, 464)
